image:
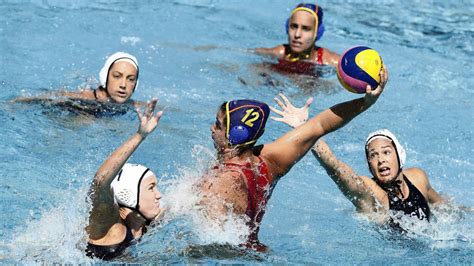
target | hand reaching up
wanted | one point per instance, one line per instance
(291, 115)
(148, 120)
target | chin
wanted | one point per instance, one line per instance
(152, 215)
(386, 179)
(218, 147)
(120, 100)
(296, 50)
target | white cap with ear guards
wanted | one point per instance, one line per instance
(126, 185)
(385, 133)
(117, 57)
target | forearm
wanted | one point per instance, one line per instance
(33, 99)
(339, 115)
(339, 172)
(348, 182)
(56, 96)
(112, 165)
(325, 122)
(291, 147)
(325, 156)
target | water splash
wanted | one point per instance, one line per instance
(181, 198)
(57, 236)
(449, 229)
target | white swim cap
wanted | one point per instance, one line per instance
(385, 133)
(117, 57)
(126, 185)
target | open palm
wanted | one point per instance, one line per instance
(148, 120)
(290, 114)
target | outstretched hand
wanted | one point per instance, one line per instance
(291, 115)
(148, 120)
(371, 95)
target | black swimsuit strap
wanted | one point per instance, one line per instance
(409, 184)
(108, 252)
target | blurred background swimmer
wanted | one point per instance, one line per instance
(300, 56)
(118, 80)
(244, 176)
(124, 196)
(393, 193)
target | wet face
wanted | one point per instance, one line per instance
(382, 158)
(149, 198)
(121, 81)
(218, 132)
(301, 31)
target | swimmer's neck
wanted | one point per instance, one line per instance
(102, 95)
(309, 52)
(233, 154)
(403, 186)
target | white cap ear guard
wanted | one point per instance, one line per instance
(385, 133)
(118, 56)
(126, 185)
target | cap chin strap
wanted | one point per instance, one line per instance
(138, 196)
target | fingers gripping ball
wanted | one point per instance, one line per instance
(358, 67)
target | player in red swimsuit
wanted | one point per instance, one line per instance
(304, 27)
(245, 175)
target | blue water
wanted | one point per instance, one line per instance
(48, 156)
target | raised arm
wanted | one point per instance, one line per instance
(283, 153)
(353, 186)
(103, 212)
(356, 188)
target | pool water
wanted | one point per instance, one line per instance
(192, 56)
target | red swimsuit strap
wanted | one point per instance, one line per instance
(320, 55)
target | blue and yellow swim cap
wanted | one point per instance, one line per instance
(316, 11)
(245, 121)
